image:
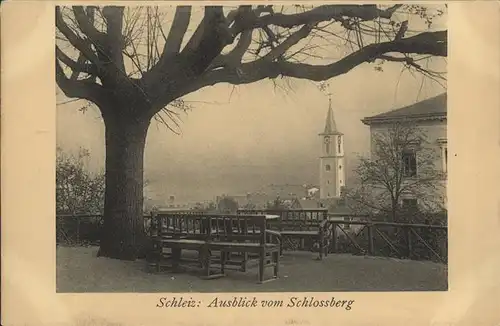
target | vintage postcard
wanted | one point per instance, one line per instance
(250, 163)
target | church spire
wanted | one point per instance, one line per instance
(330, 125)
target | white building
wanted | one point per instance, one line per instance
(430, 116)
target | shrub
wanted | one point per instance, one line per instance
(78, 190)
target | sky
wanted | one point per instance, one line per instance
(236, 141)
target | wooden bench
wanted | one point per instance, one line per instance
(210, 233)
(244, 234)
(301, 224)
(176, 230)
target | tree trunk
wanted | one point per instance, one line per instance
(123, 234)
(394, 209)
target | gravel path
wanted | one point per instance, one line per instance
(79, 270)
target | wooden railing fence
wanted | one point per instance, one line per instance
(398, 240)
(350, 236)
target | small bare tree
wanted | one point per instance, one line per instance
(402, 163)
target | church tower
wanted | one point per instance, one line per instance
(332, 170)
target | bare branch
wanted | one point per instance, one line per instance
(211, 25)
(426, 43)
(81, 58)
(324, 13)
(84, 89)
(206, 43)
(86, 25)
(288, 43)
(115, 41)
(234, 58)
(82, 45)
(76, 67)
(177, 31)
(402, 30)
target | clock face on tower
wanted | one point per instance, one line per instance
(327, 140)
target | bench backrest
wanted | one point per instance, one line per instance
(236, 227)
(177, 224)
(297, 219)
(209, 226)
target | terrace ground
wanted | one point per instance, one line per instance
(79, 270)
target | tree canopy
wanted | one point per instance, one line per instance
(138, 51)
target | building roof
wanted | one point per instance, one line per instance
(260, 201)
(330, 125)
(307, 203)
(340, 209)
(431, 108)
(284, 191)
(328, 202)
(257, 200)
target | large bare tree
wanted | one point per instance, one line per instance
(136, 65)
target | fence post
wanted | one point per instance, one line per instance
(409, 242)
(77, 229)
(370, 239)
(335, 238)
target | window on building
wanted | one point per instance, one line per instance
(339, 142)
(409, 164)
(409, 203)
(328, 167)
(340, 167)
(327, 148)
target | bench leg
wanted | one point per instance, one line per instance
(176, 257)
(156, 255)
(157, 265)
(320, 249)
(245, 260)
(277, 262)
(207, 261)
(262, 261)
(223, 256)
(201, 258)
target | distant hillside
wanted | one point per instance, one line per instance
(206, 183)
